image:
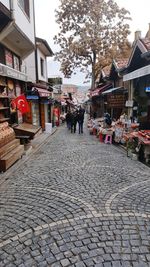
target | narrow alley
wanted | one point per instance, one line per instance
(76, 202)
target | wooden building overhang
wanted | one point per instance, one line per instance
(137, 73)
(138, 57)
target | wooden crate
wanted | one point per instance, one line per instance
(9, 147)
(11, 157)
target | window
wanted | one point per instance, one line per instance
(24, 4)
(8, 58)
(16, 62)
(42, 66)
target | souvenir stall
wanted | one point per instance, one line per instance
(102, 128)
(123, 126)
(138, 145)
(10, 148)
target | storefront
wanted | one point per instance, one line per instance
(114, 101)
(13, 83)
(40, 103)
(139, 96)
(97, 100)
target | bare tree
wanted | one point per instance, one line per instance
(91, 33)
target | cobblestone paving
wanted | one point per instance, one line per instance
(76, 202)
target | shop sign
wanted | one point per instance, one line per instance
(116, 100)
(30, 97)
(147, 89)
(129, 103)
(12, 73)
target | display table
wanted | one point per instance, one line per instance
(143, 141)
(123, 129)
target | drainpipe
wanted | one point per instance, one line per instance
(36, 59)
(11, 2)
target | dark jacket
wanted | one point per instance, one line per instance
(81, 115)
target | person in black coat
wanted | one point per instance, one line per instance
(81, 119)
(68, 120)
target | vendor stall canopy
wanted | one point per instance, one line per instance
(99, 90)
(118, 89)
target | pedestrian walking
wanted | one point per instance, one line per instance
(81, 119)
(75, 119)
(68, 120)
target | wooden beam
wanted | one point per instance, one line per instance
(137, 73)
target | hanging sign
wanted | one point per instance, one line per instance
(147, 89)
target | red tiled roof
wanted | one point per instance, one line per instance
(146, 43)
(121, 63)
(106, 71)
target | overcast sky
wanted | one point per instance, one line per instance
(46, 27)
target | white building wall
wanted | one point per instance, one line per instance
(39, 56)
(25, 23)
(29, 67)
(6, 3)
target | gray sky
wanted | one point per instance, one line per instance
(46, 27)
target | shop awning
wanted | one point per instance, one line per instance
(95, 92)
(120, 89)
(99, 90)
(43, 92)
(137, 73)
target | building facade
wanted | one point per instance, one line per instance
(38, 94)
(17, 41)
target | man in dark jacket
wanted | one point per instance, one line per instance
(68, 119)
(81, 119)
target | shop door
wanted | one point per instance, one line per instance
(46, 112)
(28, 116)
(35, 114)
(42, 116)
(49, 113)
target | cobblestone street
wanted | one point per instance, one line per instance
(76, 202)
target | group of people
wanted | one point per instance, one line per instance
(73, 117)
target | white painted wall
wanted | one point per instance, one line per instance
(29, 66)
(41, 55)
(23, 22)
(6, 3)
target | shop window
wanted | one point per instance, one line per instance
(16, 62)
(42, 66)
(8, 58)
(12, 60)
(24, 4)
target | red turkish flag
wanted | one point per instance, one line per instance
(21, 104)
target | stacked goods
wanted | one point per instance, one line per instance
(10, 148)
(145, 133)
(6, 133)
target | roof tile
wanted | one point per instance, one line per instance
(146, 42)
